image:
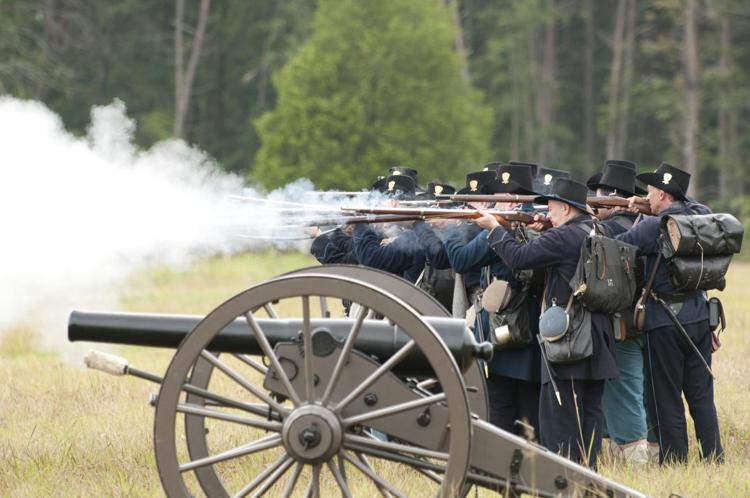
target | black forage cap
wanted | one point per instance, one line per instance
(668, 178)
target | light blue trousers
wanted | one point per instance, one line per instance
(622, 402)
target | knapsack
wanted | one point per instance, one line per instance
(439, 284)
(698, 249)
(605, 278)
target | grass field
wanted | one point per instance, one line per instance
(70, 432)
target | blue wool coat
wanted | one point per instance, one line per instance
(475, 256)
(557, 250)
(402, 257)
(334, 248)
(645, 236)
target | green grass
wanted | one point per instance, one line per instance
(67, 432)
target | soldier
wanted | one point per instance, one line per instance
(458, 234)
(514, 373)
(333, 247)
(546, 177)
(672, 367)
(623, 399)
(437, 279)
(493, 166)
(410, 172)
(534, 167)
(572, 425)
(401, 255)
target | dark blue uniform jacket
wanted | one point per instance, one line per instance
(464, 261)
(558, 250)
(645, 235)
(432, 246)
(334, 248)
(475, 256)
(618, 222)
(402, 257)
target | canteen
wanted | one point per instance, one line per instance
(554, 323)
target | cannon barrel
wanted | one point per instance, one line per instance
(378, 338)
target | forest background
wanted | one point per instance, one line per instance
(340, 90)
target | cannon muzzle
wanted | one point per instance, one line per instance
(378, 338)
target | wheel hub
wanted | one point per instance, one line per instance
(312, 434)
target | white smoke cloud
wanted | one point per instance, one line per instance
(79, 214)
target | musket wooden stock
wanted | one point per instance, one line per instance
(424, 213)
(489, 198)
(359, 219)
(641, 203)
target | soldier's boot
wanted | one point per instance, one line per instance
(653, 452)
(635, 453)
(609, 451)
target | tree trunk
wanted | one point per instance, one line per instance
(184, 80)
(459, 39)
(692, 96)
(179, 15)
(531, 91)
(730, 183)
(545, 108)
(588, 85)
(518, 102)
(614, 79)
(627, 80)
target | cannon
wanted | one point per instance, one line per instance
(274, 375)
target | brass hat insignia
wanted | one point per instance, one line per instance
(486, 169)
(473, 185)
(667, 178)
(396, 172)
(547, 179)
(438, 189)
(506, 177)
(391, 185)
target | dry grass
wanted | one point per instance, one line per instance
(69, 432)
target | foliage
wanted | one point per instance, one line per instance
(376, 85)
(372, 84)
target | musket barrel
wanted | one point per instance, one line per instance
(377, 337)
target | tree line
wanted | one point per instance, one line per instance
(338, 90)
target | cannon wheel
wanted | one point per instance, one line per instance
(426, 305)
(294, 419)
(422, 302)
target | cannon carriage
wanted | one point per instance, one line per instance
(315, 395)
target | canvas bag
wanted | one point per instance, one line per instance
(605, 279)
(576, 343)
(699, 249)
(438, 283)
(510, 327)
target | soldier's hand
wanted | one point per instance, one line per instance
(632, 204)
(486, 221)
(312, 231)
(541, 223)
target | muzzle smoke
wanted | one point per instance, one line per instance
(79, 214)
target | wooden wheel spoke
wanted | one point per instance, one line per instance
(192, 409)
(267, 442)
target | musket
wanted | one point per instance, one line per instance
(424, 213)
(641, 203)
(522, 198)
(425, 202)
(357, 219)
